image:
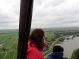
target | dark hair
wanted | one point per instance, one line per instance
(36, 37)
(58, 49)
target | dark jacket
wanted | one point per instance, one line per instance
(56, 55)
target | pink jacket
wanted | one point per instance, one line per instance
(33, 52)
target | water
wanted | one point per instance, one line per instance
(70, 45)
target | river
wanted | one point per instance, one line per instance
(70, 45)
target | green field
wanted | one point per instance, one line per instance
(9, 42)
(8, 45)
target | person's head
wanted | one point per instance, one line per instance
(58, 48)
(36, 38)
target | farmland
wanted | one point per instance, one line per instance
(8, 45)
(9, 41)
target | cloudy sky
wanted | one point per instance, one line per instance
(46, 13)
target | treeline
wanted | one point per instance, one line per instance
(52, 38)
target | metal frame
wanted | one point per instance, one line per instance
(24, 27)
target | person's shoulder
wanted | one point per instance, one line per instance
(32, 51)
(29, 51)
(50, 56)
(31, 54)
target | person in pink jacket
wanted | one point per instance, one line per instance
(36, 44)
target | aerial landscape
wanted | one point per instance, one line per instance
(53, 36)
(58, 18)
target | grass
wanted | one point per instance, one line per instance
(8, 41)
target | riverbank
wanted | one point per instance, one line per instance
(69, 46)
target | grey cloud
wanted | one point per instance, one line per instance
(9, 13)
(46, 13)
(56, 13)
(8, 26)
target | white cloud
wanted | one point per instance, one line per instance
(9, 13)
(56, 13)
(46, 13)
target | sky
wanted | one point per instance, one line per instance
(46, 13)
